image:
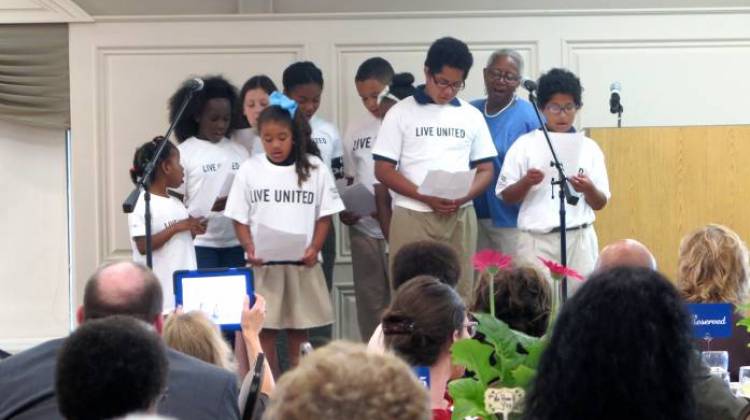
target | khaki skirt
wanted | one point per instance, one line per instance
(296, 296)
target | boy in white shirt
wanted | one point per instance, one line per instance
(526, 175)
(434, 130)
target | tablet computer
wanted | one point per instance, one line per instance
(219, 293)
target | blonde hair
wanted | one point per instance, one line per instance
(344, 381)
(713, 266)
(194, 334)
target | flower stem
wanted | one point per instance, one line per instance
(492, 295)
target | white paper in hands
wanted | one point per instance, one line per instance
(358, 199)
(211, 189)
(448, 185)
(276, 245)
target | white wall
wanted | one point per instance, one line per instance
(673, 67)
(33, 228)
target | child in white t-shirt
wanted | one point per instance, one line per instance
(254, 96)
(205, 149)
(171, 226)
(303, 82)
(286, 189)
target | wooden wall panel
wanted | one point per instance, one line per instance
(668, 181)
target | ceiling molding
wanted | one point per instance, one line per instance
(412, 15)
(42, 11)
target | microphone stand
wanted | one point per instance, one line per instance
(564, 195)
(143, 183)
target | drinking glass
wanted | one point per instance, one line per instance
(718, 363)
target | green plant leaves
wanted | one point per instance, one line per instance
(475, 356)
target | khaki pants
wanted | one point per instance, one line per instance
(458, 230)
(371, 288)
(582, 248)
(503, 239)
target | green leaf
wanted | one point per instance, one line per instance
(468, 397)
(465, 408)
(525, 340)
(523, 375)
(475, 356)
(535, 353)
(744, 322)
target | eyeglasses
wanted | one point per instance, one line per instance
(471, 328)
(445, 84)
(557, 109)
(497, 75)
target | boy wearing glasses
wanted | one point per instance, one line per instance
(434, 130)
(508, 117)
(526, 178)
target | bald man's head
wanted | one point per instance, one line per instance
(625, 253)
(123, 288)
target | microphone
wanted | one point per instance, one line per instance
(615, 106)
(529, 85)
(195, 85)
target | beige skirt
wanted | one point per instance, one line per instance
(296, 296)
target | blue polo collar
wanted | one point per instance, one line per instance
(423, 98)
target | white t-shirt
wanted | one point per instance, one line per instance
(377, 340)
(579, 155)
(327, 137)
(202, 159)
(269, 194)
(249, 139)
(422, 137)
(178, 253)
(359, 165)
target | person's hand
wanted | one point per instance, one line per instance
(310, 258)
(252, 318)
(533, 177)
(348, 218)
(250, 251)
(581, 183)
(440, 205)
(219, 204)
(198, 225)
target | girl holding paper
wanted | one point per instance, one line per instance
(288, 191)
(173, 228)
(210, 160)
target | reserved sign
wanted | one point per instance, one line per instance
(711, 320)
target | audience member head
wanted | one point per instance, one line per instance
(373, 75)
(502, 76)
(559, 97)
(446, 68)
(522, 299)
(194, 334)
(713, 266)
(625, 253)
(122, 288)
(621, 349)
(110, 367)
(303, 82)
(208, 115)
(344, 381)
(254, 99)
(424, 319)
(402, 86)
(429, 258)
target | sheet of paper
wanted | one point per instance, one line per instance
(277, 245)
(358, 199)
(209, 191)
(449, 185)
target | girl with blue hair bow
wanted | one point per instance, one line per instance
(287, 190)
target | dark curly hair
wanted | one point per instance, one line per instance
(302, 143)
(621, 349)
(110, 367)
(145, 153)
(260, 81)
(213, 87)
(450, 52)
(301, 73)
(421, 320)
(377, 68)
(522, 299)
(430, 258)
(559, 81)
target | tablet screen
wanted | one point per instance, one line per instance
(219, 294)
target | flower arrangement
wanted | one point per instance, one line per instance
(505, 361)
